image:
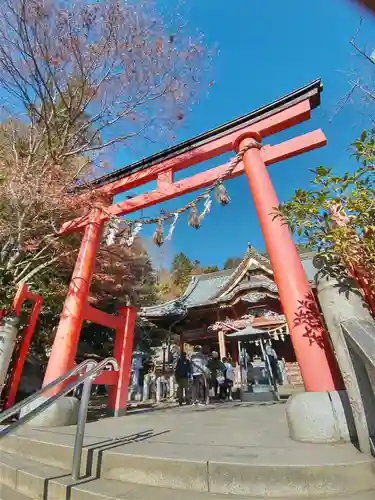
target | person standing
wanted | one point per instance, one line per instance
(273, 363)
(199, 373)
(183, 375)
(229, 378)
(217, 371)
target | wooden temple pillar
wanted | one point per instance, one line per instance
(222, 346)
(235, 354)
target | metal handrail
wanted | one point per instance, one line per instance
(18, 406)
(93, 370)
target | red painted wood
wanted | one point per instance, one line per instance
(266, 127)
(107, 378)
(101, 317)
(270, 155)
(23, 294)
(165, 181)
(309, 338)
(67, 336)
(123, 349)
(22, 354)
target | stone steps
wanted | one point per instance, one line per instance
(228, 450)
(7, 493)
(22, 479)
(122, 462)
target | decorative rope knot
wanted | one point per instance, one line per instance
(194, 219)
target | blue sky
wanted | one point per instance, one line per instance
(267, 49)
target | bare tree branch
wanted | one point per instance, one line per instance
(79, 79)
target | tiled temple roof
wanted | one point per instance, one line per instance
(219, 287)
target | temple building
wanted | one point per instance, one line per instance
(217, 304)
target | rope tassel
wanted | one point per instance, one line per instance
(221, 194)
(158, 236)
(193, 219)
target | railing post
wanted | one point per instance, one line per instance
(80, 432)
(123, 348)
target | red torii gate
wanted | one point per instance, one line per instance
(309, 338)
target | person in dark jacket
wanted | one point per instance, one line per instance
(183, 374)
(217, 371)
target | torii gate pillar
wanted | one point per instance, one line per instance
(67, 336)
(314, 355)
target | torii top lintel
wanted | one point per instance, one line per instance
(283, 113)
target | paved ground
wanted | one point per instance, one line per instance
(230, 432)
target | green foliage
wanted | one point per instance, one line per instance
(210, 269)
(232, 262)
(337, 214)
(181, 270)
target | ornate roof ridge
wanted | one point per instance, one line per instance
(251, 252)
(207, 276)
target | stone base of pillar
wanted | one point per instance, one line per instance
(320, 417)
(63, 412)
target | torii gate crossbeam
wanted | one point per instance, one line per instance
(314, 355)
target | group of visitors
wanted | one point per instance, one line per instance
(204, 373)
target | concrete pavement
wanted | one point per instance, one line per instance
(231, 449)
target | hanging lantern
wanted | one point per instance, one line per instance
(221, 194)
(158, 237)
(193, 219)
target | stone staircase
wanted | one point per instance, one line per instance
(24, 480)
(211, 453)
